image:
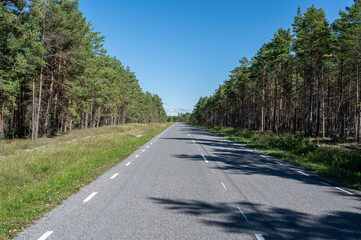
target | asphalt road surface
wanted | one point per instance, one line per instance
(189, 184)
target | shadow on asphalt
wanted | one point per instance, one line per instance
(290, 225)
(232, 159)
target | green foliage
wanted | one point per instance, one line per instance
(294, 145)
(55, 75)
(306, 82)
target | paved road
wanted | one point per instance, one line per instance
(189, 184)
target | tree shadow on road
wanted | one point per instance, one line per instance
(272, 222)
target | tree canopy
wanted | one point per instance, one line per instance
(305, 81)
(55, 74)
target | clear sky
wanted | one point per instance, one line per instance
(183, 49)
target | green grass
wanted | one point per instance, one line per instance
(338, 163)
(34, 182)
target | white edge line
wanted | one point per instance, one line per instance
(45, 235)
(89, 197)
(224, 186)
(112, 177)
(243, 214)
(128, 164)
(137, 156)
(303, 173)
(344, 191)
(259, 237)
(143, 150)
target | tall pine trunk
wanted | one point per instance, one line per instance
(357, 108)
(263, 98)
(33, 114)
(275, 104)
(310, 101)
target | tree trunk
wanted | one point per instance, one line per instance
(275, 104)
(263, 98)
(310, 119)
(2, 130)
(357, 110)
(51, 90)
(86, 120)
(39, 103)
(98, 121)
(280, 113)
(323, 107)
(33, 115)
(342, 116)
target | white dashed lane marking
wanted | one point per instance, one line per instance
(204, 158)
(45, 235)
(243, 214)
(112, 177)
(259, 237)
(89, 197)
(344, 191)
(224, 186)
(303, 173)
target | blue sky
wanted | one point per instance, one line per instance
(184, 49)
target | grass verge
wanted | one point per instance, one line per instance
(342, 165)
(34, 182)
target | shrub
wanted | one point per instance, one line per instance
(293, 145)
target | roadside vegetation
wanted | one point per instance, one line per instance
(56, 76)
(328, 159)
(37, 176)
(306, 81)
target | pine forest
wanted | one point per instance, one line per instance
(55, 74)
(305, 80)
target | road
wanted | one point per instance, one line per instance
(187, 183)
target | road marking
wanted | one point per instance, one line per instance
(45, 235)
(143, 150)
(213, 171)
(128, 164)
(259, 237)
(193, 141)
(112, 177)
(243, 214)
(326, 183)
(303, 173)
(151, 143)
(189, 135)
(279, 163)
(204, 158)
(263, 156)
(224, 186)
(90, 197)
(344, 191)
(148, 146)
(137, 156)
